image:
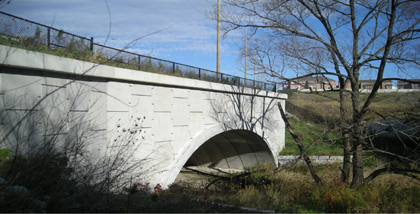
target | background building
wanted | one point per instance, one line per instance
(368, 84)
(315, 83)
(407, 85)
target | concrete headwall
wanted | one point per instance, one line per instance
(315, 159)
(166, 118)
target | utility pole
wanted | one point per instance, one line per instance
(218, 40)
(253, 59)
(246, 54)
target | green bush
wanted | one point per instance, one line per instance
(4, 155)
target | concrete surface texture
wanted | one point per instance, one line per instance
(169, 121)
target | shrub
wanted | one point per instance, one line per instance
(42, 173)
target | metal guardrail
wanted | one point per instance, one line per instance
(36, 36)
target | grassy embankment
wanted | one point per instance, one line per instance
(324, 109)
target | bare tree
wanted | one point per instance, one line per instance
(345, 39)
(47, 126)
(4, 3)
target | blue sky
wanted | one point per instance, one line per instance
(186, 35)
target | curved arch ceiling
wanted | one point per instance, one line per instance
(236, 149)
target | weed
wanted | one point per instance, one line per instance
(292, 190)
(328, 145)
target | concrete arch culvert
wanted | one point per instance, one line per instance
(234, 149)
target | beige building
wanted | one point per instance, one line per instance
(368, 84)
(315, 83)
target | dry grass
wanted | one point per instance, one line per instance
(293, 190)
(385, 104)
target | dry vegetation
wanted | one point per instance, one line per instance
(384, 104)
(293, 190)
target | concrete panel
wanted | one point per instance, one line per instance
(196, 123)
(116, 121)
(55, 81)
(97, 110)
(119, 95)
(210, 95)
(141, 90)
(80, 130)
(208, 120)
(79, 95)
(20, 91)
(27, 136)
(56, 103)
(162, 99)
(181, 93)
(145, 145)
(181, 138)
(2, 103)
(141, 106)
(196, 100)
(97, 142)
(258, 107)
(180, 112)
(162, 128)
(163, 154)
(99, 86)
(79, 121)
(208, 113)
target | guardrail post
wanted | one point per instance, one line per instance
(173, 68)
(48, 37)
(221, 77)
(199, 73)
(91, 44)
(139, 63)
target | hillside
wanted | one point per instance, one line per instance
(317, 112)
(326, 105)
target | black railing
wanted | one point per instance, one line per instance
(21, 32)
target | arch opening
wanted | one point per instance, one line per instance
(235, 149)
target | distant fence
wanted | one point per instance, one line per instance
(18, 31)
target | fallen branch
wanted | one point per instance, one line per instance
(405, 172)
(298, 142)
